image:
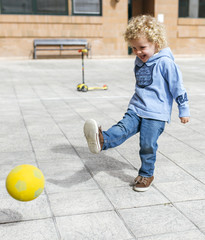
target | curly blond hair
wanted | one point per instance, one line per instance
(148, 27)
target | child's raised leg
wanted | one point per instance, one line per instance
(102, 140)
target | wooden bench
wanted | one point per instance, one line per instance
(59, 44)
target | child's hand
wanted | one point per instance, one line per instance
(184, 119)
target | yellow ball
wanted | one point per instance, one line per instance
(25, 182)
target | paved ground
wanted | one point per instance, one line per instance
(88, 196)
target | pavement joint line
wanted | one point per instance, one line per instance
(182, 168)
(189, 218)
(79, 98)
(173, 204)
(71, 98)
(185, 142)
(53, 217)
(54, 93)
(25, 220)
(61, 99)
(88, 170)
(92, 176)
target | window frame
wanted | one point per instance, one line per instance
(199, 9)
(87, 14)
(180, 9)
(34, 10)
(191, 14)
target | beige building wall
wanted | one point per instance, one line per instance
(186, 35)
(104, 33)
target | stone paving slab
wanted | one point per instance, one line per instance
(15, 211)
(187, 235)
(90, 196)
(37, 229)
(182, 190)
(101, 225)
(123, 198)
(152, 220)
(79, 202)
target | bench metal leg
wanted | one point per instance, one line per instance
(34, 53)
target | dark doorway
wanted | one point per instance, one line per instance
(142, 7)
(139, 7)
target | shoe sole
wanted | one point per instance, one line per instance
(91, 133)
(141, 189)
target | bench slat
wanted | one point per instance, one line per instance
(68, 42)
(59, 42)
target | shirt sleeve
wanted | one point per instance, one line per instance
(174, 78)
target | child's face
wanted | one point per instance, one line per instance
(143, 48)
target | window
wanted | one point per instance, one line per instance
(51, 6)
(192, 8)
(55, 7)
(202, 8)
(12, 6)
(87, 7)
(183, 8)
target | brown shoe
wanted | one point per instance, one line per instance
(101, 137)
(142, 184)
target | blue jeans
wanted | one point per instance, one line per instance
(149, 130)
